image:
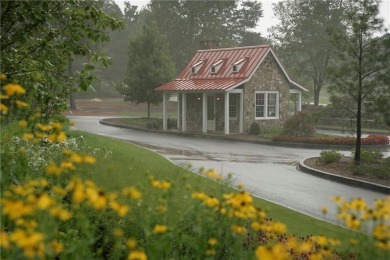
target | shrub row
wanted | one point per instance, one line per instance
(369, 140)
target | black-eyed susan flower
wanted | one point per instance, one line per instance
(21, 104)
(137, 255)
(12, 89)
(160, 229)
(132, 192)
(131, 243)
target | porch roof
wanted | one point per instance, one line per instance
(201, 84)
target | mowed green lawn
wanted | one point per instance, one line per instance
(131, 165)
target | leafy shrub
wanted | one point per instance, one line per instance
(172, 123)
(301, 124)
(369, 156)
(254, 129)
(330, 156)
(154, 124)
(369, 140)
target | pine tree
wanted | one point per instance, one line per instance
(364, 66)
(149, 67)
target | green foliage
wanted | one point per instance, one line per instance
(370, 156)
(301, 124)
(254, 129)
(330, 156)
(39, 39)
(303, 39)
(187, 22)
(363, 69)
(149, 67)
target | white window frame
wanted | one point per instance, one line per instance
(266, 105)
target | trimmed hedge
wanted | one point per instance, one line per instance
(369, 140)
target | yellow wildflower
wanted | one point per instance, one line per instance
(67, 166)
(212, 241)
(210, 252)
(21, 104)
(119, 208)
(137, 255)
(16, 209)
(52, 169)
(44, 127)
(239, 230)
(256, 226)
(13, 89)
(56, 125)
(4, 239)
(31, 243)
(132, 193)
(118, 232)
(89, 159)
(96, 198)
(160, 229)
(57, 247)
(131, 243)
(3, 76)
(3, 108)
(212, 202)
(60, 213)
(4, 97)
(22, 123)
(76, 158)
(44, 201)
(28, 136)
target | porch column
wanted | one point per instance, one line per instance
(178, 111)
(164, 111)
(241, 113)
(299, 101)
(204, 113)
(184, 112)
(226, 113)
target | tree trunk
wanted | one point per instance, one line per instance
(72, 102)
(317, 96)
(358, 132)
(148, 109)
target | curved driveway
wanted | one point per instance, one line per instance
(269, 172)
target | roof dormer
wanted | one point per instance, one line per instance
(236, 67)
(216, 66)
(196, 67)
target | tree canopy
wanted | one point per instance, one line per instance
(186, 23)
(303, 39)
(149, 66)
(40, 38)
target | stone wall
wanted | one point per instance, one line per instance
(268, 77)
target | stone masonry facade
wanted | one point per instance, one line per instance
(268, 77)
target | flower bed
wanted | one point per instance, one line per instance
(369, 140)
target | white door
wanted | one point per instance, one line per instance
(211, 112)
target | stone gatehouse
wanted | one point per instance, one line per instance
(228, 89)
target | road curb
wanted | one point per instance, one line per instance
(345, 180)
(106, 121)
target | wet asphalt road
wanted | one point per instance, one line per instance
(268, 172)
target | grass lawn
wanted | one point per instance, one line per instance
(132, 165)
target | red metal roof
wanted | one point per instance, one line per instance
(225, 78)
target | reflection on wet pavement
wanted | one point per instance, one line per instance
(192, 155)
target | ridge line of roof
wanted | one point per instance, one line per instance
(237, 48)
(224, 78)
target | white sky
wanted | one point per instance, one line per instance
(268, 18)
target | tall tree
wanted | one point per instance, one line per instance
(364, 67)
(187, 22)
(303, 40)
(39, 38)
(149, 66)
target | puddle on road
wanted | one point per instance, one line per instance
(192, 155)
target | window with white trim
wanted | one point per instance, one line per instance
(267, 105)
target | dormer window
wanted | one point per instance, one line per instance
(238, 65)
(196, 67)
(216, 66)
